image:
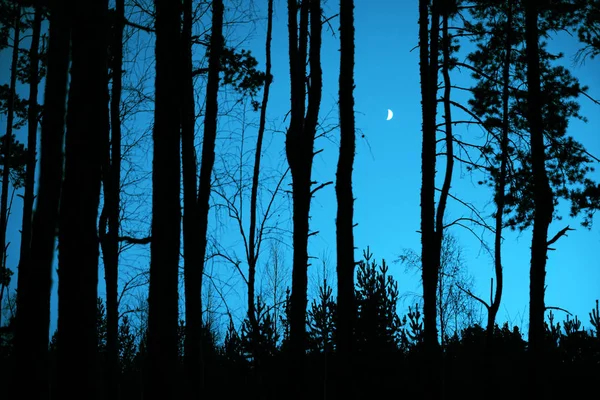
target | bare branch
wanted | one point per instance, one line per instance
(132, 240)
(236, 263)
(456, 222)
(467, 291)
(267, 212)
(321, 186)
(140, 27)
(562, 232)
(557, 308)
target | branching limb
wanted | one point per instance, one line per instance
(474, 221)
(268, 211)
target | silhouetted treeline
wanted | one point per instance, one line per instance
(388, 352)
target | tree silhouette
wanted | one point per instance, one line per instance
(33, 300)
(109, 224)
(299, 146)
(78, 232)
(542, 196)
(344, 195)
(166, 214)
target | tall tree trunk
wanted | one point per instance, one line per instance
(345, 197)
(254, 245)
(35, 280)
(299, 151)
(501, 184)
(430, 239)
(166, 210)
(445, 192)
(449, 139)
(32, 124)
(192, 263)
(109, 218)
(207, 163)
(8, 140)
(87, 127)
(543, 200)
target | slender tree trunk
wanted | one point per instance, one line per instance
(32, 124)
(192, 263)
(166, 211)
(299, 151)
(109, 218)
(445, 192)
(33, 300)
(449, 139)
(208, 158)
(543, 200)
(87, 127)
(501, 184)
(345, 199)
(430, 239)
(254, 245)
(8, 139)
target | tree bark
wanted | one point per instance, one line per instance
(87, 127)
(35, 280)
(109, 219)
(543, 200)
(166, 213)
(346, 311)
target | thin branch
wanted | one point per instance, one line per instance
(469, 206)
(267, 212)
(557, 308)
(456, 222)
(590, 97)
(236, 263)
(321, 186)
(140, 27)
(467, 291)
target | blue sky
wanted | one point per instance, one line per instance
(386, 172)
(387, 168)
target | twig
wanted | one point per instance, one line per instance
(321, 186)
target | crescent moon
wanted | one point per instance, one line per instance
(390, 115)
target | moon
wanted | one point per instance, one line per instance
(390, 115)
